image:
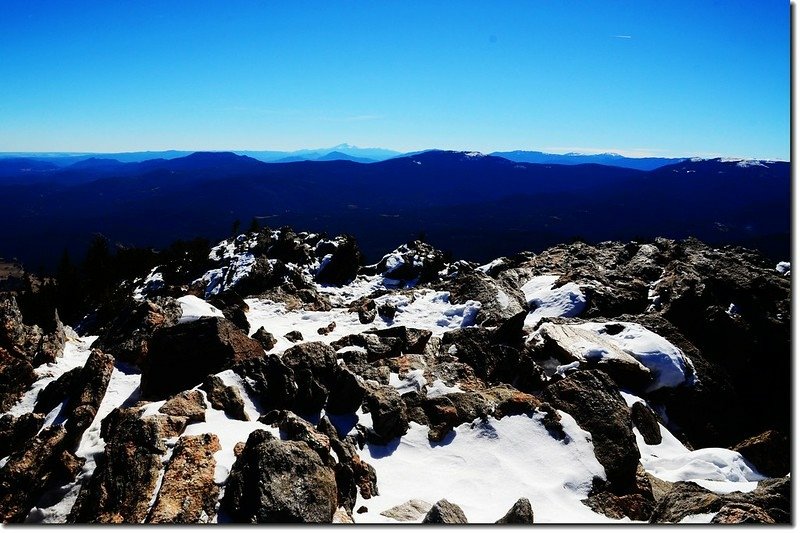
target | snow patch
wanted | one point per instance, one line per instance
(549, 301)
(193, 308)
(412, 381)
(667, 363)
(784, 268)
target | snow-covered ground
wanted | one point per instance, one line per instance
(484, 467)
(423, 308)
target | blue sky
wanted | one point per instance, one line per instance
(639, 77)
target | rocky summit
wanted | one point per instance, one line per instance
(275, 377)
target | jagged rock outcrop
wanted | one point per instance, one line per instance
(44, 463)
(353, 474)
(23, 347)
(188, 494)
(768, 503)
(195, 349)
(499, 300)
(224, 398)
(16, 431)
(340, 265)
(279, 481)
(492, 356)
(128, 334)
(444, 512)
(125, 479)
(269, 380)
(187, 404)
(520, 513)
(415, 261)
(593, 400)
(769, 452)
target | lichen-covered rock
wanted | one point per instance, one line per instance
(187, 404)
(188, 494)
(410, 511)
(15, 431)
(265, 338)
(741, 513)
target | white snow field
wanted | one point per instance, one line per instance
(485, 467)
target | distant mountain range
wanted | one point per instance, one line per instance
(347, 152)
(640, 163)
(478, 206)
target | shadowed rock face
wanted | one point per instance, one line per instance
(594, 402)
(769, 452)
(279, 481)
(768, 503)
(181, 356)
(128, 334)
(45, 462)
(23, 347)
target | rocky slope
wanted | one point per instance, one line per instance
(283, 381)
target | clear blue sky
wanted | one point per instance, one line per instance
(640, 77)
